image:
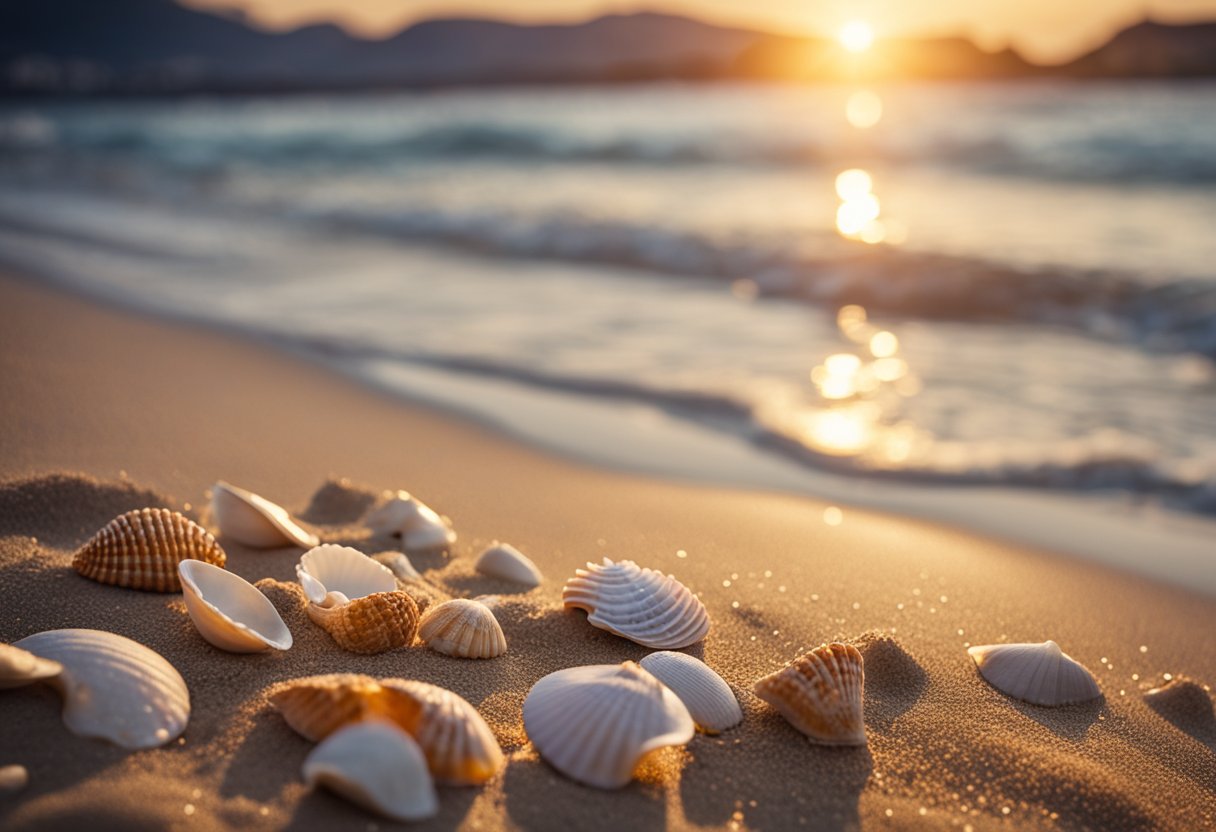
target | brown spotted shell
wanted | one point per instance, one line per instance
(316, 706)
(459, 746)
(141, 550)
(371, 624)
(820, 694)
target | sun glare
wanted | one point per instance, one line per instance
(856, 36)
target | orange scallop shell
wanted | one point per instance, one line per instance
(141, 550)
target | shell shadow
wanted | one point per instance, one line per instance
(338, 503)
(323, 809)
(269, 739)
(63, 511)
(1187, 706)
(894, 679)
(476, 584)
(1070, 722)
(537, 795)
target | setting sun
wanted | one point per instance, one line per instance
(856, 36)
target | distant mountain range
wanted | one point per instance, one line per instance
(156, 46)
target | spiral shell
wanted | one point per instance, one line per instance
(20, 667)
(1041, 674)
(316, 706)
(252, 520)
(706, 695)
(642, 605)
(504, 561)
(463, 628)
(371, 624)
(141, 550)
(820, 694)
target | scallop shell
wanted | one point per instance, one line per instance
(317, 706)
(141, 550)
(459, 746)
(463, 628)
(332, 568)
(371, 624)
(230, 612)
(642, 605)
(706, 695)
(820, 694)
(1041, 674)
(20, 667)
(504, 561)
(378, 766)
(594, 724)
(399, 565)
(114, 688)
(252, 520)
(420, 527)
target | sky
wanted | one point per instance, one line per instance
(1042, 30)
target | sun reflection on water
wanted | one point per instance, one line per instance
(864, 109)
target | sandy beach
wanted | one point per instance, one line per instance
(105, 411)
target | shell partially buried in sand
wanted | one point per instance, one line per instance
(252, 520)
(420, 527)
(642, 605)
(316, 706)
(1041, 674)
(706, 695)
(463, 628)
(505, 562)
(820, 694)
(19, 668)
(332, 568)
(372, 624)
(230, 612)
(141, 550)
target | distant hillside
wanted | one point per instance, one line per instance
(1153, 50)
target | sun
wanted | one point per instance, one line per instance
(856, 36)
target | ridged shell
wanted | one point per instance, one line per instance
(706, 695)
(1041, 674)
(504, 561)
(20, 667)
(820, 694)
(642, 605)
(594, 724)
(371, 624)
(316, 706)
(420, 527)
(463, 628)
(114, 688)
(333, 568)
(378, 766)
(252, 520)
(141, 550)
(230, 612)
(459, 746)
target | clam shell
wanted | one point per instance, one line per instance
(114, 688)
(463, 628)
(317, 706)
(378, 766)
(706, 695)
(594, 724)
(230, 612)
(371, 624)
(420, 527)
(20, 667)
(1041, 674)
(459, 746)
(642, 605)
(504, 561)
(252, 520)
(332, 568)
(820, 694)
(141, 550)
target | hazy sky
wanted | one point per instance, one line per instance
(1044, 30)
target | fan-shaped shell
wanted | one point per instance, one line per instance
(371, 624)
(20, 667)
(820, 694)
(594, 724)
(420, 527)
(706, 695)
(378, 766)
(114, 688)
(332, 568)
(252, 520)
(141, 550)
(463, 628)
(1041, 674)
(230, 612)
(504, 561)
(642, 605)
(316, 706)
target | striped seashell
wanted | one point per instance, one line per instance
(230, 612)
(371, 624)
(504, 561)
(463, 628)
(642, 605)
(594, 724)
(1041, 674)
(20, 667)
(141, 550)
(706, 695)
(332, 568)
(419, 526)
(459, 746)
(252, 520)
(820, 694)
(316, 706)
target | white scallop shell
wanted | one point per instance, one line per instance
(230, 612)
(420, 527)
(463, 628)
(254, 521)
(114, 688)
(20, 667)
(820, 694)
(504, 561)
(642, 605)
(378, 766)
(594, 724)
(706, 695)
(332, 568)
(1041, 674)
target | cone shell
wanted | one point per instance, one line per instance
(378, 766)
(114, 688)
(504, 561)
(20, 667)
(820, 694)
(230, 612)
(459, 746)
(594, 724)
(463, 628)
(317, 706)
(642, 605)
(252, 520)
(372, 624)
(706, 695)
(333, 568)
(420, 527)
(1041, 674)
(141, 550)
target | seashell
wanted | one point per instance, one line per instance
(459, 746)
(371, 624)
(594, 724)
(254, 521)
(114, 688)
(504, 561)
(230, 612)
(378, 766)
(420, 527)
(706, 695)
(20, 667)
(463, 628)
(1041, 674)
(399, 565)
(141, 550)
(13, 778)
(820, 694)
(642, 605)
(333, 568)
(317, 706)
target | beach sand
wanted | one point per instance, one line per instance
(104, 411)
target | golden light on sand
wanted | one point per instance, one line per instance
(864, 109)
(856, 36)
